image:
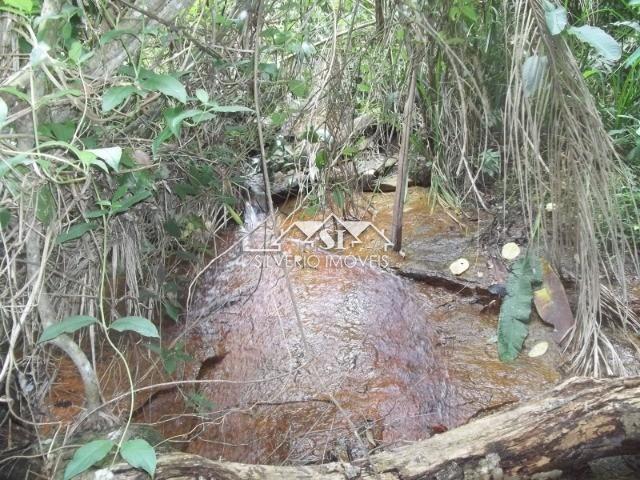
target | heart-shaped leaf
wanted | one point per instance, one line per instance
(556, 18)
(605, 44)
(87, 456)
(139, 454)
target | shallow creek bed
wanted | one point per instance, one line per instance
(307, 355)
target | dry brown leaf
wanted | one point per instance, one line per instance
(552, 303)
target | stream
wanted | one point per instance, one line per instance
(313, 354)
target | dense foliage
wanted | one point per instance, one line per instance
(132, 132)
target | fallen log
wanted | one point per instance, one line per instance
(577, 422)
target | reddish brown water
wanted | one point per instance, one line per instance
(367, 351)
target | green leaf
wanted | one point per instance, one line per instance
(604, 44)
(230, 109)
(74, 232)
(172, 227)
(278, 118)
(87, 456)
(139, 454)
(338, 197)
(5, 218)
(556, 18)
(110, 155)
(633, 59)
(16, 93)
(176, 117)
(127, 203)
(513, 323)
(62, 131)
(116, 34)
(68, 325)
(113, 97)
(136, 324)
(233, 214)
(46, 205)
(95, 213)
(11, 163)
(4, 112)
(534, 71)
(321, 159)
(22, 5)
(172, 311)
(298, 88)
(76, 53)
(202, 95)
(271, 69)
(165, 84)
(165, 134)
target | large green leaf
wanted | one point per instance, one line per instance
(556, 17)
(139, 454)
(604, 44)
(513, 323)
(113, 97)
(136, 324)
(165, 84)
(68, 325)
(22, 5)
(87, 456)
(75, 231)
(111, 155)
(533, 73)
(299, 88)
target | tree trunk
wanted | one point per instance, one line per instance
(577, 422)
(403, 162)
(379, 16)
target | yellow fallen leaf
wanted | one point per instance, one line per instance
(459, 266)
(539, 349)
(510, 250)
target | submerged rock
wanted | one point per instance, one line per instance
(360, 356)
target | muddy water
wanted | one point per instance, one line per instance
(358, 355)
(334, 358)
